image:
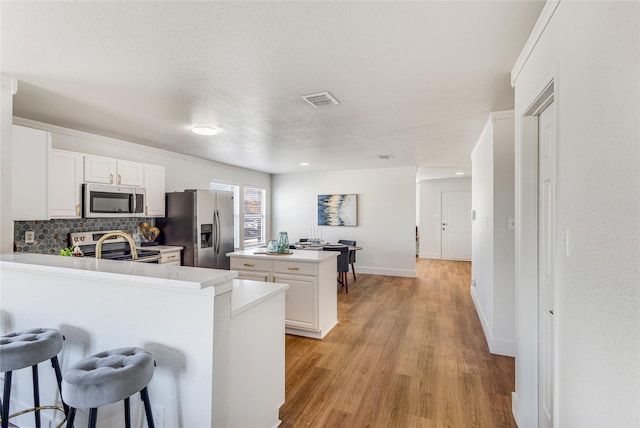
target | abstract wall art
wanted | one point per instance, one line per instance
(338, 210)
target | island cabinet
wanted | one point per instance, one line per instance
(311, 299)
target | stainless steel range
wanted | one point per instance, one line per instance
(115, 247)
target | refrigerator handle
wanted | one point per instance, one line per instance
(216, 218)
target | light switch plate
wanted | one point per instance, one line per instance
(29, 237)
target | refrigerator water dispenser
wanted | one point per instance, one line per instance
(206, 236)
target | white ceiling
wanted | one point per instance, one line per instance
(416, 80)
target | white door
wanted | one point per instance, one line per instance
(456, 225)
(547, 253)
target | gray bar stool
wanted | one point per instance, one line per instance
(108, 377)
(27, 348)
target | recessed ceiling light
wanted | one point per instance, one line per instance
(304, 163)
(204, 130)
(460, 173)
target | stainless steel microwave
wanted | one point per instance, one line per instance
(101, 200)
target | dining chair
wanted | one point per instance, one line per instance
(343, 265)
(352, 255)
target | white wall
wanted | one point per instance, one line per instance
(492, 241)
(386, 214)
(591, 50)
(430, 229)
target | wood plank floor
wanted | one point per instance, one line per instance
(408, 352)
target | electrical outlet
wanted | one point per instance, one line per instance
(158, 415)
(29, 237)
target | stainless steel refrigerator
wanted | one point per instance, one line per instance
(201, 221)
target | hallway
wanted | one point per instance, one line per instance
(408, 352)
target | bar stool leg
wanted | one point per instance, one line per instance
(36, 395)
(56, 367)
(5, 399)
(71, 416)
(93, 417)
(127, 413)
(144, 396)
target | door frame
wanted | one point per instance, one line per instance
(442, 225)
(525, 403)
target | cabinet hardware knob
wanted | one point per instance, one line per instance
(293, 268)
(266, 277)
(111, 178)
(78, 210)
(119, 179)
(274, 279)
(248, 264)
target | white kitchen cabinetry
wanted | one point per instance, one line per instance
(311, 299)
(155, 188)
(31, 151)
(99, 169)
(65, 184)
(169, 255)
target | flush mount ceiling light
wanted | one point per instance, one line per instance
(320, 100)
(460, 173)
(304, 163)
(204, 130)
(385, 157)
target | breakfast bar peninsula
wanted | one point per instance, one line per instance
(218, 341)
(311, 307)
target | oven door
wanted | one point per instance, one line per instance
(108, 201)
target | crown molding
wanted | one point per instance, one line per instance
(537, 31)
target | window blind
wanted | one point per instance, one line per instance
(254, 216)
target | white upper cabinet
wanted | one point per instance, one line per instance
(130, 173)
(31, 151)
(65, 184)
(154, 187)
(98, 169)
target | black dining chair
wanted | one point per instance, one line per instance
(343, 265)
(352, 255)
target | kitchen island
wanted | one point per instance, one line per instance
(194, 321)
(311, 307)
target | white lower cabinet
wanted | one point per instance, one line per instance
(169, 255)
(310, 300)
(300, 302)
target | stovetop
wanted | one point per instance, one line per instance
(113, 248)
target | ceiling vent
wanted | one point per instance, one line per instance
(385, 157)
(320, 100)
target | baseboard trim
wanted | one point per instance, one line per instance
(515, 406)
(429, 256)
(406, 273)
(496, 345)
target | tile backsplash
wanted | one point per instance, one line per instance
(53, 235)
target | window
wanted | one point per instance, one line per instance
(254, 217)
(236, 208)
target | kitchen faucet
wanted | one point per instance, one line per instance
(132, 245)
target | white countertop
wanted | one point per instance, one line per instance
(297, 255)
(184, 277)
(247, 294)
